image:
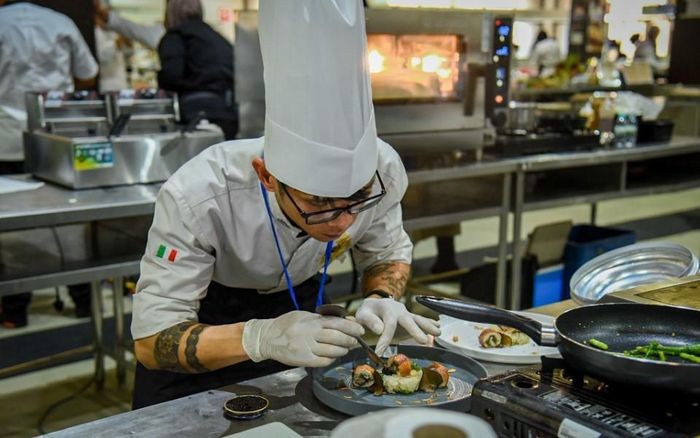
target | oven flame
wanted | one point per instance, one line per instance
(431, 63)
(376, 61)
(413, 66)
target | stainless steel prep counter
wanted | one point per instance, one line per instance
(291, 403)
(445, 187)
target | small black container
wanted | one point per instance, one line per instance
(246, 407)
(654, 131)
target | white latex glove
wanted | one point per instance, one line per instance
(300, 338)
(382, 315)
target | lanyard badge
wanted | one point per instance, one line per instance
(287, 277)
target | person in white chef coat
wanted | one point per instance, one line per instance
(545, 54)
(40, 50)
(242, 234)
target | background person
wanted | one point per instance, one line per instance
(40, 50)
(197, 63)
(545, 54)
(147, 34)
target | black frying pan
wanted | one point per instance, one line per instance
(621, 326)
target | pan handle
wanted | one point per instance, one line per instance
(542, 335)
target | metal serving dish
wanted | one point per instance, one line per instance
(631, 266)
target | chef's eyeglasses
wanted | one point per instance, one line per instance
(323, 216)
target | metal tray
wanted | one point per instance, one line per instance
(631, 266)
(331, 384)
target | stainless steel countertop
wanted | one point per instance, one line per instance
(291, 402)
(53, 205)
(201, 415)
(677, 146)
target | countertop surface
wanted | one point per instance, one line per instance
(55, 205)
(291, 403)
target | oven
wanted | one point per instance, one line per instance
(426, 68)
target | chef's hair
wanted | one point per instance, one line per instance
(179, 11)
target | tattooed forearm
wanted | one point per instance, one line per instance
(168, 345)
(166, 351)
(191, 349)
(391, 277)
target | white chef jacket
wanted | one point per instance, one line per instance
(147, 34)
(210, 224)
(112, 62)
(546, 53)
(40, 50)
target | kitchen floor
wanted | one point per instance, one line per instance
(26, 398)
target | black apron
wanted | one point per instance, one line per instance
(223, 305)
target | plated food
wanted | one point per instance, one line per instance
(502, 336)
(401, 375)
(463, 337)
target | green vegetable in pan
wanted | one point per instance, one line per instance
(598, 344)
(690, 357)
(655, 350)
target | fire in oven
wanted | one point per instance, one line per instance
(415, 67)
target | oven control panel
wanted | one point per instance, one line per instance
(498, 72)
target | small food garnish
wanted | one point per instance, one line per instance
(598, 344)
(434, 376)
(502, 336)
(363, 376)
(490, 338)
(687, 356)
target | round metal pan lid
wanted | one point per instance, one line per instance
(331, 384)
(631, 266)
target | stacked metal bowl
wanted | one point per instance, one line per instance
(631, 266)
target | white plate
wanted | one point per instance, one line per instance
(467, 341)
(275, 429)
(408, 420)
(402, 422)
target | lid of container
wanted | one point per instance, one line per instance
(631, 266)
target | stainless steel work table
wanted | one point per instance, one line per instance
(445, 187)
(53, 205)
(291, 402)
(577, 178)
(201, 415)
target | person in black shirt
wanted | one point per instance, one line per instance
(197, 63)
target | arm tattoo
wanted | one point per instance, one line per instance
(392, 277)
(166, 351)
(191, 349)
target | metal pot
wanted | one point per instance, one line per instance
(521, 116)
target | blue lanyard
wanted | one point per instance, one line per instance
(326, 262)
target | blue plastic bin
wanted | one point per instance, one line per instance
(548, 285)
(586, 242)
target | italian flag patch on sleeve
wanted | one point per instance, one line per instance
(163, 250)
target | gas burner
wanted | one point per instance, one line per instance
(557, 399)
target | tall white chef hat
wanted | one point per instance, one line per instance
(320, 135)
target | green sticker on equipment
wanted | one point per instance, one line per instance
(89, 156)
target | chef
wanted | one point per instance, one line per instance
(230, 278)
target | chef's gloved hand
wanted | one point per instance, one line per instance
(382, 315)
(300, 338)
